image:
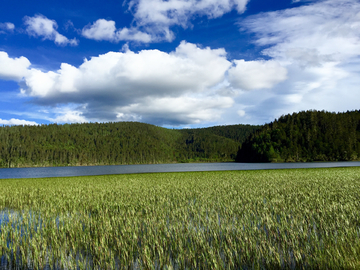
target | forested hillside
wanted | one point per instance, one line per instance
(238, 133)
(215, 143)
(305, 136)
(116, 143)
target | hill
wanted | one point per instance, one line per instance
(116, 143)
(305, 136)
(219, 143)
(298, 137)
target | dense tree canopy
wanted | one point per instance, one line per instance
(116, 143)
(305, 136)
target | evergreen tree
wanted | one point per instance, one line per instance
(305, 136)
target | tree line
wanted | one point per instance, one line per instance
(298, 137)
(116, 143)
(304, 137)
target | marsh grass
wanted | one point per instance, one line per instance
(276, 219)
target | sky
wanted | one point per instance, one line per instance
(176, 63)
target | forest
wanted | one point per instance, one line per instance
(116, 143)
(305, 137)
(299, 137)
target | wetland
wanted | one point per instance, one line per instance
(281, 219)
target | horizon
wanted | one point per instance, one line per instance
(178, 63)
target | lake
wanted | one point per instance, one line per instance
(156, 168)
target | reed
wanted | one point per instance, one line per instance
(275, 219)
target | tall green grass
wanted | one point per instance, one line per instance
(278, 219)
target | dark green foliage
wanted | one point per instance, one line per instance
(305, 136)
(238, 133)
(115, 143)
(216, 143)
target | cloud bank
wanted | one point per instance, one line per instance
(128, 85)
(187, 86)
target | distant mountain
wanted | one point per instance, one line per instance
(116, 143)
(305, 136)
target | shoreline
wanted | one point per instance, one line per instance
(44, 172)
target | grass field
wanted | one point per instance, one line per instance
(275, 219)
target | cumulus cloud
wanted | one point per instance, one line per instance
(105, 30)
(189, 85)
(100, 30)
(150, 84)
(70, 114)
(13, 68)
(250, 75)
(176, 110)
(40, 26)
(318, 43)
(129, 74)
(16, 122)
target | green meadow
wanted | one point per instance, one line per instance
(271, 219)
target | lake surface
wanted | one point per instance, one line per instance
(156, 168)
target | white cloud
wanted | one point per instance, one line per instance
(178, 12)
(326, 30)
(188, 68)
(154, 18)
(132, 34)
(318, 43)
(128, 85)
(187, 86)
(40, 26)
(70, 114)
(100, 30)
(105, 30)
(14, 122)
(13, 68)
(312, 62)
(157, 16)
(40, 82)
(177, 110)
(241, 113)
(250, 75)
(8, 26)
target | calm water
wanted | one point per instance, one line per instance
(154, 168)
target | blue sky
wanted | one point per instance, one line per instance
(176, 63)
